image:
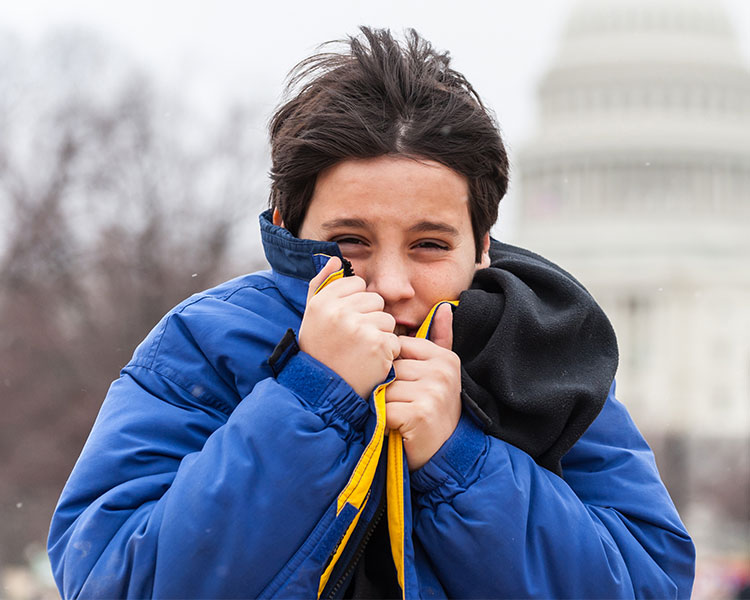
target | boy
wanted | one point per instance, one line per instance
(332, 428)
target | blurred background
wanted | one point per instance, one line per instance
(133, 164)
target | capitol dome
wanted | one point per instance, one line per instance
(644, 114)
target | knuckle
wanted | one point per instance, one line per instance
(392, 419)
(349, 324)
(442, 378)
(433, 390)
(395, 346)
(420, 414)
(312, 303)
(367, 334)
(380, 345)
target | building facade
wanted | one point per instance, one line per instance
(638, 182)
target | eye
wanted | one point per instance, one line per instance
(352, 246)
(432, 245)
(349, 240)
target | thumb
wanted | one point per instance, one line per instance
(333, 265)
(441, 331)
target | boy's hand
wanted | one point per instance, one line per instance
(345, 328)
(424, 402)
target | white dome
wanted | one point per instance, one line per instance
(643, 72)
(646, 103)
(603, 32)
(699, 17)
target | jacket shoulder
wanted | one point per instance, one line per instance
(214, 345)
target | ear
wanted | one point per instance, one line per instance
(484, 261)
(277, 218)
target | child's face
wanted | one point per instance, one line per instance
(405, 226)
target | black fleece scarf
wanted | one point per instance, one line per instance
(538, 354)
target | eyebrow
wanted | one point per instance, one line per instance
(437, 226)
(421, 227)
(353, 223)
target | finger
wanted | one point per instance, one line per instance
(441, 330)
(333, 265)
(418, 348)
(409, 369)
(364, 302)
(373, 334)
(395, 346)
(382, 321)
(396, 415)
(339, 288)
(401, 391)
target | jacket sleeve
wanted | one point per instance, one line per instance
(496, 525)
(175, 496)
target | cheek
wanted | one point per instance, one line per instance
(433, 285)
(359, 266)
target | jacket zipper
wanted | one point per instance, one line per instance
(360, 549)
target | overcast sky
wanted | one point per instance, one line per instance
(232, 49)
(226, 48)
(244, 49)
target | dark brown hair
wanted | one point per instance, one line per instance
(379, 98)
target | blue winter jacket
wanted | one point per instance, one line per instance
(207, 475)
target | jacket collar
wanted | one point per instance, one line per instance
(294, 261)
(292, 256)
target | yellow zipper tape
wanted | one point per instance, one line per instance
(332, 277)
(395, 478)
(357, 489)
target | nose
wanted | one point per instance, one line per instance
(391, 278)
